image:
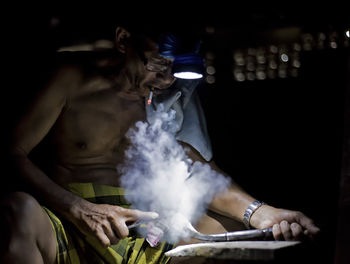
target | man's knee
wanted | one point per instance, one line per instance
(25, 230)
(18, 212)
(19, 203)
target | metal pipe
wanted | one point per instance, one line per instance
(255, 234)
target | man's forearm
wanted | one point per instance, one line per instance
(232, 202)
(42, 187)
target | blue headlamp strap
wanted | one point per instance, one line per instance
(168, 45)
(188, 59)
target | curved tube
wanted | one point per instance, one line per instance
(254, 234)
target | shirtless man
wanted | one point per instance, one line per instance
(85, 111)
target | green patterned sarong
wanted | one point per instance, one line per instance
(73, 247)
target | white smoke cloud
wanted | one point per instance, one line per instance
(162, 178)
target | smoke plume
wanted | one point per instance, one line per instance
(160, 176)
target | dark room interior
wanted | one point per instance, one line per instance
(276, 97)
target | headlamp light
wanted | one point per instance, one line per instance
(186, 65)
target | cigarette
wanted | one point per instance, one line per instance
(149, 101)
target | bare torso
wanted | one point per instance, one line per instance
(88, 138)
(83, 113)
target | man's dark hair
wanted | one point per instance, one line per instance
(94, 26)
(188, 35)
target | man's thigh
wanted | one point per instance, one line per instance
(47, 238)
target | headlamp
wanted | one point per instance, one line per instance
(186, 65)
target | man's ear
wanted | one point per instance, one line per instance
(121, 37)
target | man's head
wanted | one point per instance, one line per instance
(151, 53)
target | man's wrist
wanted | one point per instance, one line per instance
(249, 212)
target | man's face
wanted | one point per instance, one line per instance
(154, 70)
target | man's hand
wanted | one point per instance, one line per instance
(286, 224)
(108, 223)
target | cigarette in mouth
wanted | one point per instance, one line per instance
(149, 101)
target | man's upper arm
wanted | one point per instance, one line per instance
(45, 110)
(194, 155)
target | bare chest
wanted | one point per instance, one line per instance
(93, 127)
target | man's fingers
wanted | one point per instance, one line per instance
(109, 232)
(276, 231)
(134, 215)
(102, 237)
(297, 231)
(286, 231)
(120, 228)
(308, 224)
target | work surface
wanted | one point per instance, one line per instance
(236, 250)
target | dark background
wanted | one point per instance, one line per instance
(280, 139)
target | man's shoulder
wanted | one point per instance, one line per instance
(82, 63)
(65, 75)
(78, 63)
(79, 57)
(71, 60)
(79, 71)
